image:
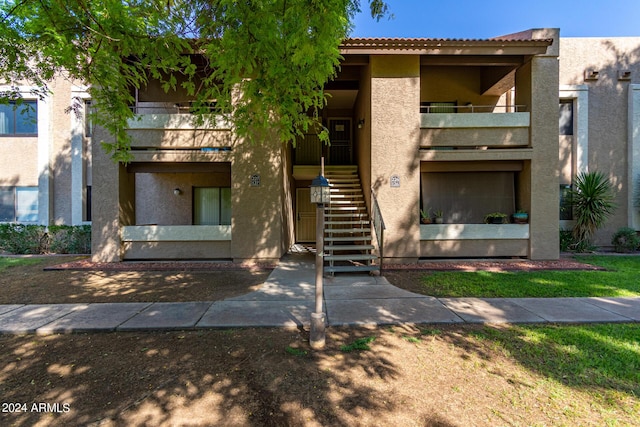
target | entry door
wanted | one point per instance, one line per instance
(305, 216)
(340, 137)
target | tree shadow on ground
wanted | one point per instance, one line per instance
(228, 377)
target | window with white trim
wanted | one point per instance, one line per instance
(19, 118)
(18, 204)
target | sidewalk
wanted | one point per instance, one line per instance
(286, 299)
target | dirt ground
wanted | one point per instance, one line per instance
(426, 375)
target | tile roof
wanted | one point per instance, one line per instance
(417, 43)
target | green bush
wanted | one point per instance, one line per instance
(66, 239)
(566, 240)
(24, 239)
(625, 240)
(593, 203)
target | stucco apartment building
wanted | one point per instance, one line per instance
(461, 128)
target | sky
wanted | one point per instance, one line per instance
(480, 19)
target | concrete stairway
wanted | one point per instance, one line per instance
(347, 231)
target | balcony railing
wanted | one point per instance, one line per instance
(471, 108)
(143, 108)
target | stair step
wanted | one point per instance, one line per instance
(359, 222)
(351, 268)
(347, 230)
(350, 257)
(346, 202)
(347, 196)
(349, 247)
(344, 208)
(345, 215)
(347, 238)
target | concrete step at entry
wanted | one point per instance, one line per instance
(350, 269)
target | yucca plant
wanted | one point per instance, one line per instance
(592, 205)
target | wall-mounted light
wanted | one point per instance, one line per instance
(360, 123)
(177, 191)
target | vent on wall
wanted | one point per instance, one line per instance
(591, 74)
(624, 75)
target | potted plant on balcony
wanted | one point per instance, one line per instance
(439, 216)
(521, 217)
(495, 218)
(425, 216)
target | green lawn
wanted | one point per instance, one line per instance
(619, 280)
(6, 262)
(602, 359)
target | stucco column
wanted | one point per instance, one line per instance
(106, 245)
(395, 164)
(257, 227)
(544, 219)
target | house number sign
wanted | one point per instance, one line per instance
(394, 181)
(255, 180)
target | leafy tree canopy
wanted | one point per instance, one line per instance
(271, 57)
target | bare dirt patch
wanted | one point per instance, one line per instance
(75, 280)
(436, 376)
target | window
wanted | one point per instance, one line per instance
(19, 204)
(566, 117)
(19, 118)
(87, 208)
(566, 205)
(212, 206)
(88, 120)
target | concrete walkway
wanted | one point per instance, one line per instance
(286, 299)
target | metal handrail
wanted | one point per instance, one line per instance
(378, 224)
(470, 108)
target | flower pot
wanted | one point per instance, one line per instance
(520, 218)
(439, 220)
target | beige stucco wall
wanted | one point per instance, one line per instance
(18, 161)
(262, 226)
(608, 131)
(395, 132)
(156, 202)
(47, 160)
(60, 160)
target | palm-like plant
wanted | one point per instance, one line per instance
(592, 203)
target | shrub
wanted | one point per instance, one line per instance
(66, 239)
(37, 239)
(566, 240)
(625, 240)
(23, 239)
(593, 204)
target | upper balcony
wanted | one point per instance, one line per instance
(474, 127)
(173, 126)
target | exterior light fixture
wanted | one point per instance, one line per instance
(177, 191)
(360, 123)
(320, 190)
